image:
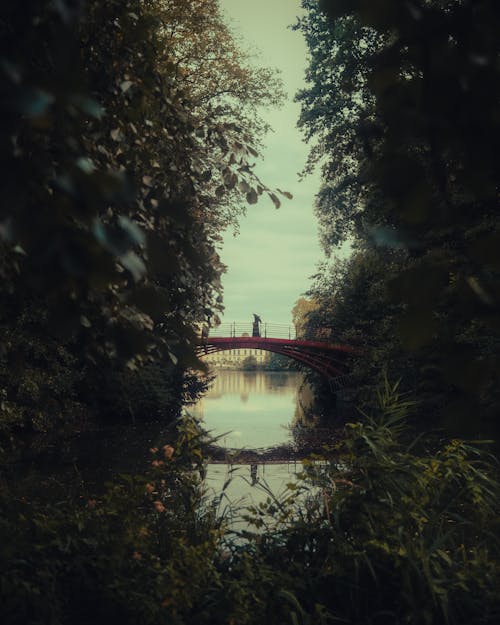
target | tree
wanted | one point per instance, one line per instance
(302, 309)
(249, 363)
(224, 88)
(114, 185)
(278, 362)
(426, 179)
(337, 108)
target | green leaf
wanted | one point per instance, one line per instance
(275, 200)
(36, 103)
(125, 85)
(133, 231)
(286, 194)
(252, 196)
(134, 264)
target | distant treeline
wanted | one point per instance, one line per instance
(274, 362)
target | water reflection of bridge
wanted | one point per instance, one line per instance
(244, 382)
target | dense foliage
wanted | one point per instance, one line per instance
(383, 530)
(119, 170)
(403, 102)
(128, 129)
(391, 534)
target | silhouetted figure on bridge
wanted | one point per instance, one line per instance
(255, 325)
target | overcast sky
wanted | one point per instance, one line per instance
(270, 261)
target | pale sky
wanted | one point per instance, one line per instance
(270, 261)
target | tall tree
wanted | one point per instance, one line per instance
(115, 179)
(336, 106)
(428, 184)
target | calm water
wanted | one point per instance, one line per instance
(250, 409)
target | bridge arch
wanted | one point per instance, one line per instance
(325, 358)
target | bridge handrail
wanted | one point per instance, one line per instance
(267, 330)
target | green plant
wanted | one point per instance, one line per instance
(144, 550)
(378, 533)
(377, 530)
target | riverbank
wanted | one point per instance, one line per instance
(307, 441)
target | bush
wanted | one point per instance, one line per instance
(390, 536)
(374, 532)
(144, 551)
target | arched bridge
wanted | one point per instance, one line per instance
(326, 358)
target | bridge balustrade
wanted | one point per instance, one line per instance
(267, 330)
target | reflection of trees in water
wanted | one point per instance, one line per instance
(279, 380)
(250, 378)
(260, 382)
(260, 404)
(304, 415)
(309, 429)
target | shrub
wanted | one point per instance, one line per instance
(391, 536)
